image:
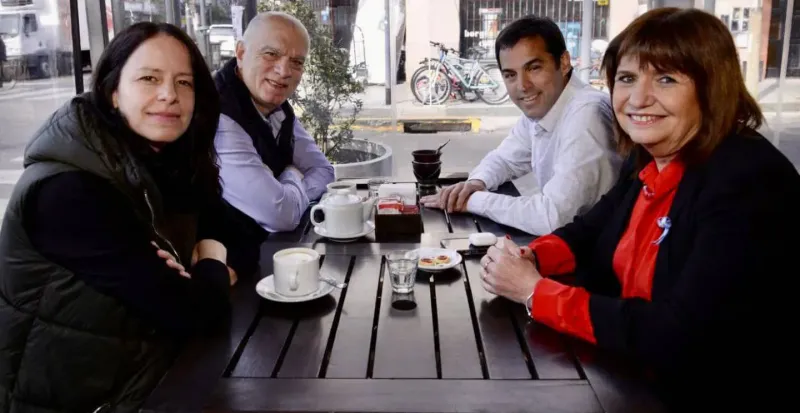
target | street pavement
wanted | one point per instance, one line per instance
(24, 108)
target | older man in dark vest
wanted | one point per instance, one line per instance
(271, 168)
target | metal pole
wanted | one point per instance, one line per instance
(203, 20)
(753, 72)
(250, 11)
(176, 4)
(393, 71)
(77, 63)
(202, 35)
(188, 8)
(787, 30)
(586, 40)
(98, 30)
(388, 46)
(118, 15)
(169, 8)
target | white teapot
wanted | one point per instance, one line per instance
(344, 213)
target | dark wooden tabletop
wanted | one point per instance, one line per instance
(460, 349)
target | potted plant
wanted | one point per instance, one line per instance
(327, 101)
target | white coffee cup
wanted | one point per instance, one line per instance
(296, 271)
(342, 187)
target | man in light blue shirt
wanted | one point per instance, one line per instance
(271, 168)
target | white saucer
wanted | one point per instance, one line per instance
(369, 226)
(455, 259)
(266, 289)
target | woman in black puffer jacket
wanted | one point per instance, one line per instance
(90, 315)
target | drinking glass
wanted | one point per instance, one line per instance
(374, 184)
(403, 270)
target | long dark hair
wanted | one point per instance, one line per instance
(195, 160)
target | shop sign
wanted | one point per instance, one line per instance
(490, 11)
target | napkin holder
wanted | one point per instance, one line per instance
(406, 191)
(403, 224)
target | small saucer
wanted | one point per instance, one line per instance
(369, 226)
(266, 289)
(454, 259)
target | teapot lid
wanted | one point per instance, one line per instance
(342, 199)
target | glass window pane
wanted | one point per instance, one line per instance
(35, 78)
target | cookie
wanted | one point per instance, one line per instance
(442, 259)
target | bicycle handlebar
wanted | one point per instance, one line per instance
(443, 47)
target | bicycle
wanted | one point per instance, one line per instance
(437, 79)
(596, 80)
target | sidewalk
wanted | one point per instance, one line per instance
(408, 107)
(768, 95)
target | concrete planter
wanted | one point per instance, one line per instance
(363, 159)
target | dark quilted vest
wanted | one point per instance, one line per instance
(64, 346)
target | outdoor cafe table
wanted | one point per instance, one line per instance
(461, 349)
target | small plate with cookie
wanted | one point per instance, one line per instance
(437, 259)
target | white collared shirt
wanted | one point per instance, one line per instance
(274, 119)
(571, 152)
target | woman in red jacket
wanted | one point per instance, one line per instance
(680, 265)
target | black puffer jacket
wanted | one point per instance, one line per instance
(66, 346)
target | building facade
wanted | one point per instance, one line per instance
(480, 21)
(775, 15)
(756, 25)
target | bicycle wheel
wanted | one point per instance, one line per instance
(468, 95)
(430, 87)
(494, 95)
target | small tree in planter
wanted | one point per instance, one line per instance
(326, 98)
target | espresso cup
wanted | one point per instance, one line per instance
(296, 271)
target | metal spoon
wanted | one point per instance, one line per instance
(439, 150)
(333, 282)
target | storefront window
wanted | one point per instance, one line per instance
(36, 75)
(38, 69)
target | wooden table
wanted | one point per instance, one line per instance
(461, 349)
